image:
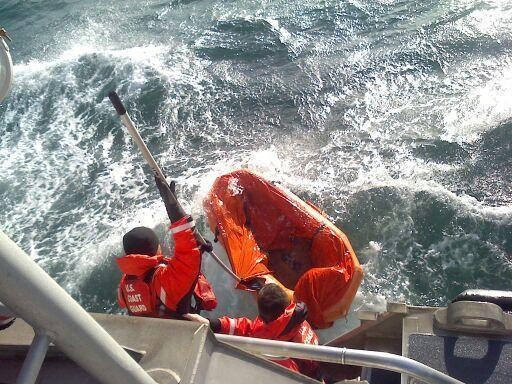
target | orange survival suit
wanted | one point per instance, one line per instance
(156, 286)
(290, 326)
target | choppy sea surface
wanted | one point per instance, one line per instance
(394, 116)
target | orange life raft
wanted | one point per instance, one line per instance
(272, 236)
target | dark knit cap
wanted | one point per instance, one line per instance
(142, 241)
(272, 301)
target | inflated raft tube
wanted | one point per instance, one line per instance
(272, 236)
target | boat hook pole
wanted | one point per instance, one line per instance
(128, 123)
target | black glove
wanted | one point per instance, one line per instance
(206, 246)
(168, 194)
(165, 189)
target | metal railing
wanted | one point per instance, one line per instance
(336, 355)
(34, 296)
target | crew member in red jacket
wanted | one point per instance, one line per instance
(155, 286)
(278, 319)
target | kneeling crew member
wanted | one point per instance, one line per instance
(155, 286)
(278, 319)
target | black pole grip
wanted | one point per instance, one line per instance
(117, 103)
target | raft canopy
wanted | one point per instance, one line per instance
(270, 235)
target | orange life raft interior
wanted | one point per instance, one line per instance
(272, 236)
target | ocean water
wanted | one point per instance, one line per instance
(394, 116)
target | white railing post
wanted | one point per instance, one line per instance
(34, 360)
(35, 297)
(5, 66)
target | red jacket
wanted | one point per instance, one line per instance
(156, 286)
(290, 326)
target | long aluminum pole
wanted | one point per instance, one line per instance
(128, 123)
(33, 295)
(371, 359)
(134, 133)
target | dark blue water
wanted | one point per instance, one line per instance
(393, 116)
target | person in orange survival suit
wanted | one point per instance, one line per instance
(155, 286)
(278, 319)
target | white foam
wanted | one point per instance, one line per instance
(56, 154)
(482, 108)
(493, 20)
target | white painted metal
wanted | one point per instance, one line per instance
(34, 360)
(33, 295)
(4, 311)
(6, 71)
(347, 356)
